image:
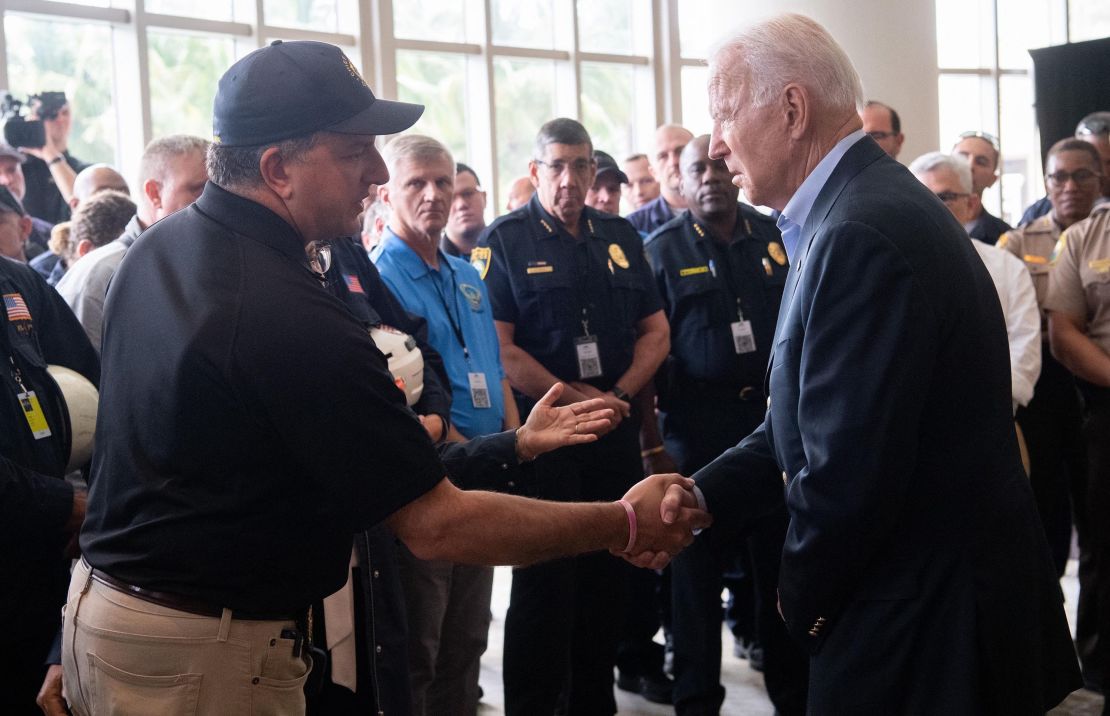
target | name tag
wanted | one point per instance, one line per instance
(479, 391)
(589, 357)
(1034, 259)
(693, 271)
(1099, 265)
(32, 411)
(540, 269)
(743, 338)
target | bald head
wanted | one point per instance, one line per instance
(707, 184)
(97, 178)
(670, 140)
(520, 192)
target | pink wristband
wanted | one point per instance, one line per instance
(631, 524)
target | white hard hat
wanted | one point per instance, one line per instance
(406, 362)
(80, 398)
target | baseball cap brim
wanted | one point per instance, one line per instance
(383, 116)
(613, 170)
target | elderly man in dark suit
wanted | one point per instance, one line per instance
(915, 571)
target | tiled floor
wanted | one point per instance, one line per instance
(746, 696)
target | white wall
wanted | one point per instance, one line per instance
(892, 43)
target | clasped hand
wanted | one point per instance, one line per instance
(667, 514)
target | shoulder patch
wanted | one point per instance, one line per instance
(1003, 240)
(480, 258)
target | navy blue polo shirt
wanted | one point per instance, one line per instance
(707, 285)
(248, 425)
(546, 283)
(451, 299)
(651, 216)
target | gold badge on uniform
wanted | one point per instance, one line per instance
(618, 256)
(776, 252)
(480, 258)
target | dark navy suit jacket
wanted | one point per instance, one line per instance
(915, 569)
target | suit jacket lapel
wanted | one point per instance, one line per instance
(858, 156)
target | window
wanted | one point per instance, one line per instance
(184, 70)
(985, 80)
(438, 81)
(47, 55)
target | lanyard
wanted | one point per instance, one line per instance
(456, 322)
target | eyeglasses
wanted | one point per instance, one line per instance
(950, 196)
(989, 138)
(880, 136)
(1080, 176)
(555, 169)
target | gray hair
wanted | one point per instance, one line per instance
(786, 49)
(561, 131)
(933, 161)
(232, 167)
(416, 148)
(157, 155)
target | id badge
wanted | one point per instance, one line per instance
(479, 391)
(743, 339)
(36, 419)
(589, 357)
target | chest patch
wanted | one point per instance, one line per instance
(472, 294)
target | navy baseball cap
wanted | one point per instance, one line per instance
(607, 165)
(291, 89)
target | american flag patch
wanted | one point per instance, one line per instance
(17, 309)
(353, 284)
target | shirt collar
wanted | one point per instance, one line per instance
(797, 210)
(407, 259)
(550, 227)
(249, 218)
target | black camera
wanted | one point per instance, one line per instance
(22, 132)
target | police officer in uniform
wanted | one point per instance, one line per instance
(720, 268)
(573, 300)
(1052, 422)
(39, 510)
(1078, 306)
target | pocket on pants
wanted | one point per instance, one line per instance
(116, 691)
(280, 696)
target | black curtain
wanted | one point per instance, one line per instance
(1070, 81)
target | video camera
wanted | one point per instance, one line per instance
(22, 132)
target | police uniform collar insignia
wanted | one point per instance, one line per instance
(547, 226)
(590, 225)
(748, 226)
(774, 249)
(617, 255)
(698, 230)
(479, 259)
(472, 294)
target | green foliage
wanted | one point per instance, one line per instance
(184, 71)
(525, 91)
(438, 81)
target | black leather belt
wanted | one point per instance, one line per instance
(181, 603)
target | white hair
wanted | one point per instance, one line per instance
(789, 49)
(934, 161)
(415, 148)
(158, 154)
(377, 209)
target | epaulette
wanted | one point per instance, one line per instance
(517, 215)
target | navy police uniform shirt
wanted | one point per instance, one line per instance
(555, 289)
(651, 216)
(248, 424)
(708, 285)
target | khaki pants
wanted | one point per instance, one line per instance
(124, 655)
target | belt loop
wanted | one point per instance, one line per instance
(88, 575)
(225, 625)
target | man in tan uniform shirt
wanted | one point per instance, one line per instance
(1052, 422)
(1078, 307)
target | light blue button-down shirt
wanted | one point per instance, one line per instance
(796, 211)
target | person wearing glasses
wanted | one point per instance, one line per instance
(981, 151)
(953, 183)
(574, 301)
(884, 125)
(1078, 307)
(1094, 129)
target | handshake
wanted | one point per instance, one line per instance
(663, 517)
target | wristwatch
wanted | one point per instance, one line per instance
(55, 160)
(620, 394)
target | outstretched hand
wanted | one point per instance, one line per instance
(667, 514)
(549, 427)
